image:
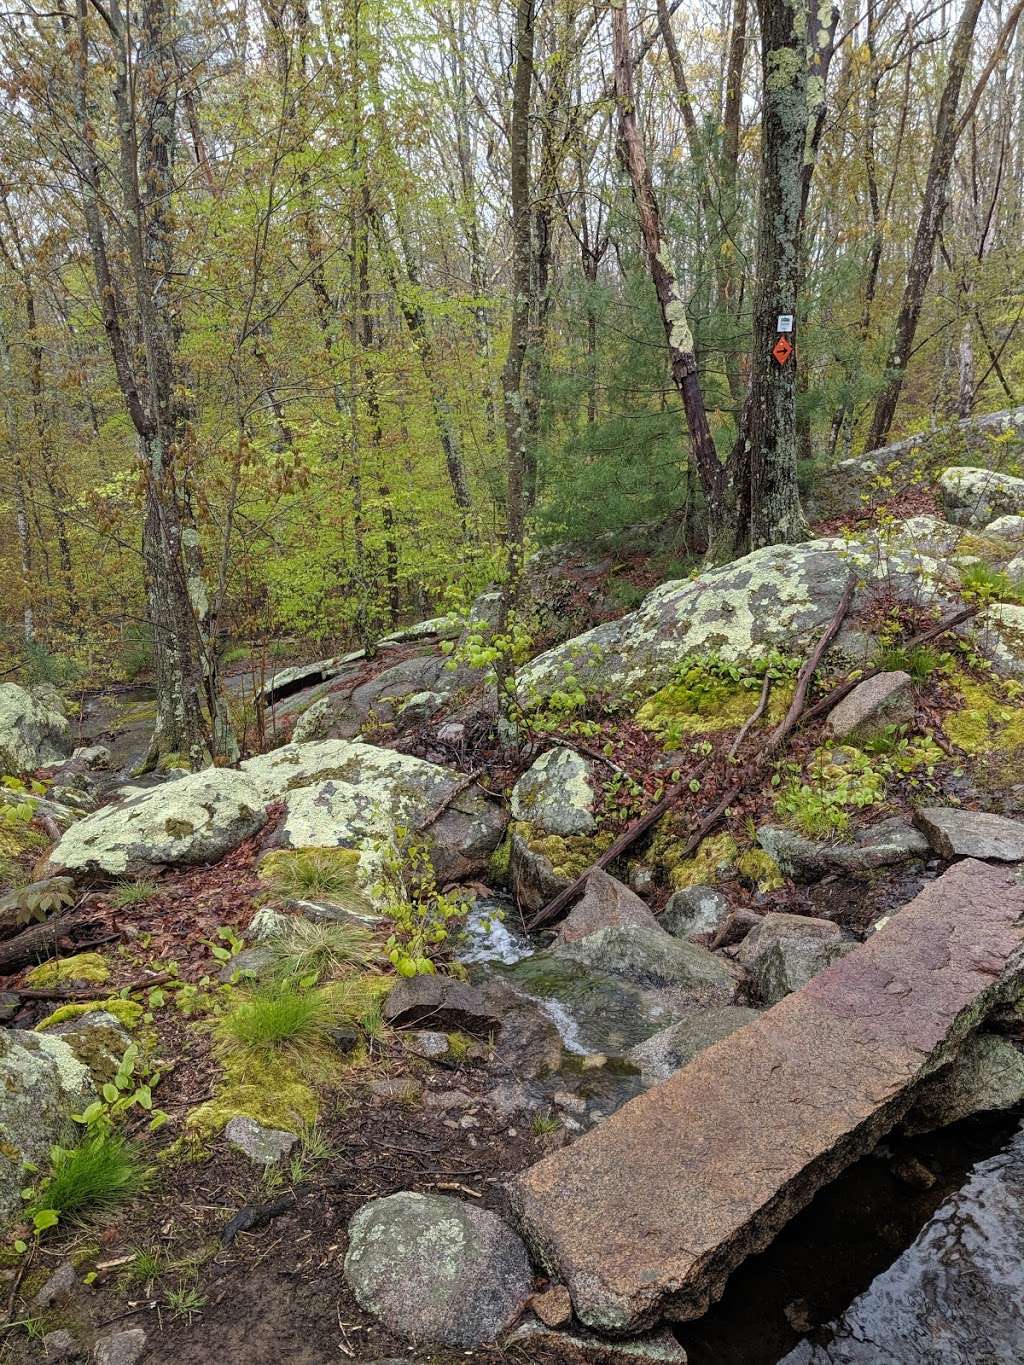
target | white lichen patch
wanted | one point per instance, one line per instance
(557, 794)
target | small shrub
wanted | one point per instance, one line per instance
(132, 893)
(92, 1178)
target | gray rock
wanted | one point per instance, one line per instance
(440, 1002)
(1000, 635)
(588, 1348)
(97, 1039)
(60, 1286)
(345, 1037)
(195, 819)
(784, 951)
(264, 1146)
(1006, 528)
(955, 833)
(250, 962)
(987, 1073)
(665, 1052)
(557, 793)
(694, 911)
(10, 1004)
(605, 902)
(435, 1269)
(42, 1082)
(650, 957)
(426, 1044)
(736, 927)
(879, 845)
(33, 732)
(122, 1348)
(94, 756)
(59, 1345)
(534, 880)
(975, 497)
(873, 705)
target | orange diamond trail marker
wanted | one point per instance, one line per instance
(782, 350)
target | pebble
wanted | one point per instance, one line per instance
(123, 1348)
(61, 1284)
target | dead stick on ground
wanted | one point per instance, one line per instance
(455, 792)
(795, 715)
(87, 993)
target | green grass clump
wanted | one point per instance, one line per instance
(132, 893)
(93, 1178)
(278, 1018)
(917, 660)
(313, 951)
(328, 874)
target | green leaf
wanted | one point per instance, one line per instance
(110, 1092)
(45, 1218)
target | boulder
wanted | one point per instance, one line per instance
(436, 1270)
(975, 497)
(956, 833)
(195, 819)
(694, 912)
(650, 957)
(440, 1002)
(33, 732)
(557, 793)
(873, 705)
(784, 951)
(647, 1215)
(605, 902)
(340, 793)
(263, 1146)
(1006, 528)
(43, 1083)
(987, 1073)
(879, 845)
(659, 1056)
(1000, 632)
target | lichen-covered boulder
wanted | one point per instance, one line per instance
(557, 793)
(975, 497)
(42, 1083)
(33, 732)
(784, 951)
(1000, 630)
(1010, 529)
(436, 1270)
(344, 794)
(694, 911)
(987, 1073)
(195, 819)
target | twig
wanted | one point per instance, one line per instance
(88, 993)
(752, 719)
(455, 792)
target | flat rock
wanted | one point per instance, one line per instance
(694, 911)
(557, 793)
(605, 902)
(783, 952)
(647, 1215)
(122, 1348)
(440, 1002)
(650, 957)
(661, 1055)
(880, 701)
(264, 1146)
(194, 819)
(60, 1286)
(986, 1074)
(879, 845)
(953, 1297)
(956, 833)
(59, 1345)
(435, 1269)
(426, 1043)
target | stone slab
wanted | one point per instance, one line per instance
(957, 833)
(647, 1215)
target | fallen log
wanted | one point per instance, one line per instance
(38, 941)
(69, 994)
(797, 715)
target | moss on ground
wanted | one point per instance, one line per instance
(128, 1013)
(703, 701)
(760, 869)
(88, 967)
(987, 725)
(569, 854)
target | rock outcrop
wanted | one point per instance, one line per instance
(975, 497)
(638, 1227)
(33, 732)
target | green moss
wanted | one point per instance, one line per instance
(127, 1012)
(708, 696)
(100, 1048)
(498, 865)
(459, 1046)
(88, 967)
(714, 860)
(179, 829)
(569, 855)
(986, 725)
(761, 869)
(273, 1092)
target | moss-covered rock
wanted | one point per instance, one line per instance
(33, 732)
(541, 865)
(557, 794)
(128, 1013)
(89, 969)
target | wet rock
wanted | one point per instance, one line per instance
(195, 819)
(587, 1348)
(122, 1348)
(440, 1002)
(954, 1295)
(650, 957)
(553, 1306)
(638, 1227)
(263, 1146)
(436, 1270)
(987, 1073)
(975, 497)
(95, 757)
(289, 681)
(426, 1044)
(873, 705)
(557, 793)
(534, 880)
(60, 1286)
(350, 795)
(605, 902)
(784, 951)
(879, 845)
(33, 732)
(955, 833)
(659, 1056)
(694, 912)
(43, 1083)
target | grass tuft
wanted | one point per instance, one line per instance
(132, 893)
(279, 1018)
(917, 660)
(328, 874)
(93, 1178)
(315, 950)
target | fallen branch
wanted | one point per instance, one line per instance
(37, 941)
(72, 993)
(448, 801)
(797, 714)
